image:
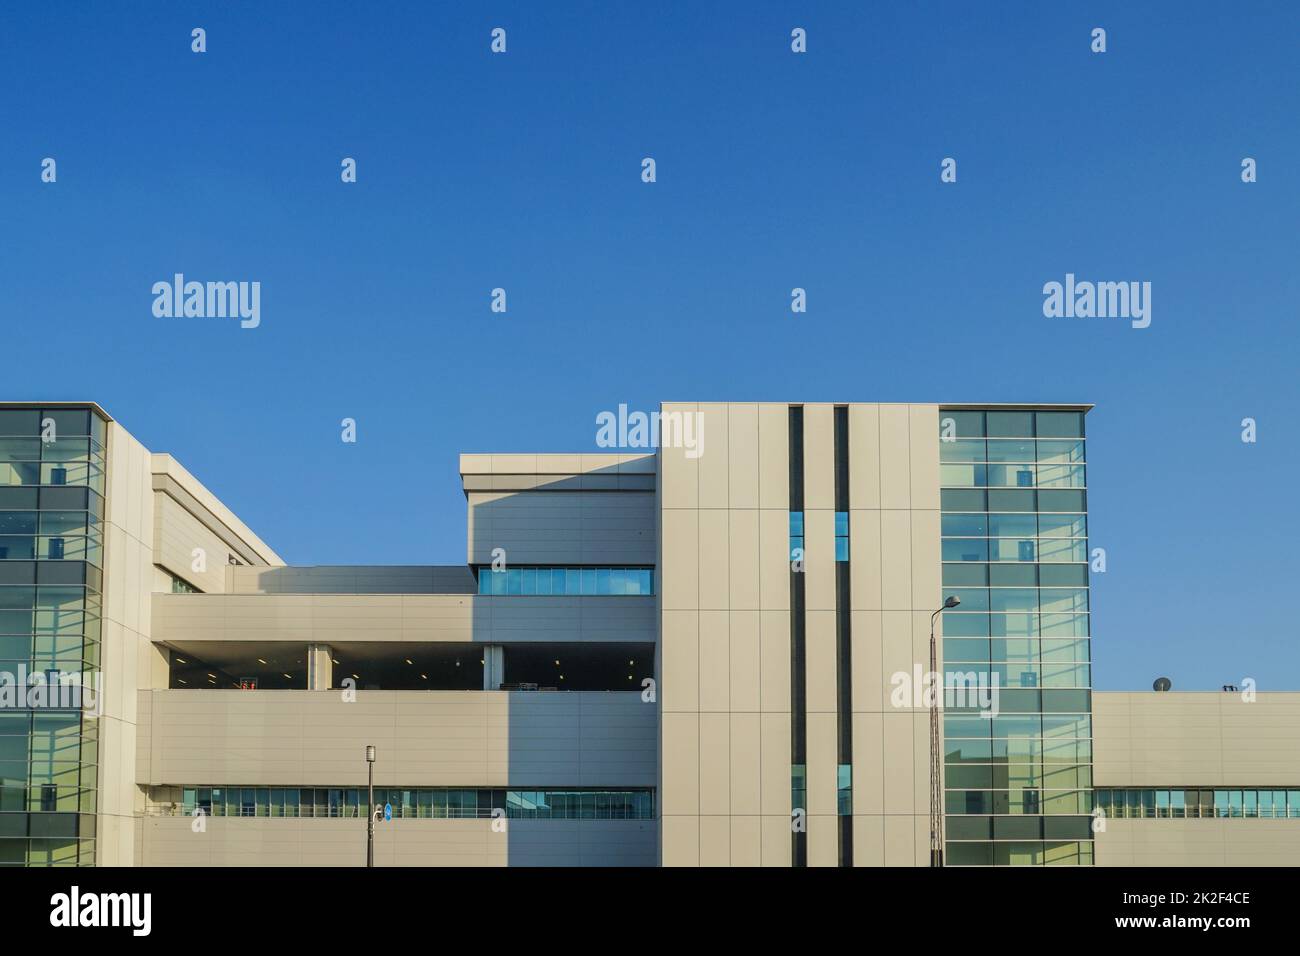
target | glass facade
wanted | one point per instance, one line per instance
(412, 803)
(1017, 774)
(52, 474)
(564, 581)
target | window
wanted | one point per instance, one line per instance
(181, 586)
(419, 803)
(844, 789)
(545, 581)
(796, 536)
(841, 536)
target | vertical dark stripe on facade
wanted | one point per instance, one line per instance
(798, 658)
(843, 635)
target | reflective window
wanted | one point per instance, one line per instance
(564, 581)
(413, 803)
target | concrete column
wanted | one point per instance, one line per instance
(320, 667)
(494, 666)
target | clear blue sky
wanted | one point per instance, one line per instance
(774, 171)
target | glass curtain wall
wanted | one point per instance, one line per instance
(1018, 774)
(52, 480)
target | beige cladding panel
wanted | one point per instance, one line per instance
(864, 457)
(895, 457)
(125, 656)
(714, 457)
(1198, 842)
(187, 548)
(715, 662)
(743, 659)
(169, 841)
(680, 795)
(819, 560)
(680, 565)
(743, 560)
(421, 618)
(715, 764)
(1196, 739)
(746, 767)
(923, 440)
(866, 560)
(818, 457)
(679, 474)
(773, 457)
(714, 559)
(743, 459)
(434, 738)
(679, 646)
(774, 560)
(774, 661)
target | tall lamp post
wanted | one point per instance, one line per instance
(936, 767)
(370, 808)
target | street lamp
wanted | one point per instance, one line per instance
(936, 770)
(370, 808)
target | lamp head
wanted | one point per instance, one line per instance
(370, 754)
(952, 601)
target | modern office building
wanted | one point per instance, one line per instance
(711, 654)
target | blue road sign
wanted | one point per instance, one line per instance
(388, 811)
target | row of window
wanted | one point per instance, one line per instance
(58, 449)
(1003, 625)
(1014, 525)
(59, 422)
(1011, 776)
(49, 851)
(1199, 803)
(962, 727)
(1018, 801)
(566, 581)
(1012, 451)
(51, 499)
(420, 803)
(959, 651)
(53, 473)
(1027, 675)
(52, 598)
(954, 423)
(52, 548)
(1018, 750)
(1017, 700)
(48, 522)
(1019, 853)
(1015, 575)
(1022, 600)
(1012, 476)
(841, 535)
(1053, 827)
(47, 824)
(1015, 550)
(1047, 500)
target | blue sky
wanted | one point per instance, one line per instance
(775, 170)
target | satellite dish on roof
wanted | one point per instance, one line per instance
(1162, 684)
